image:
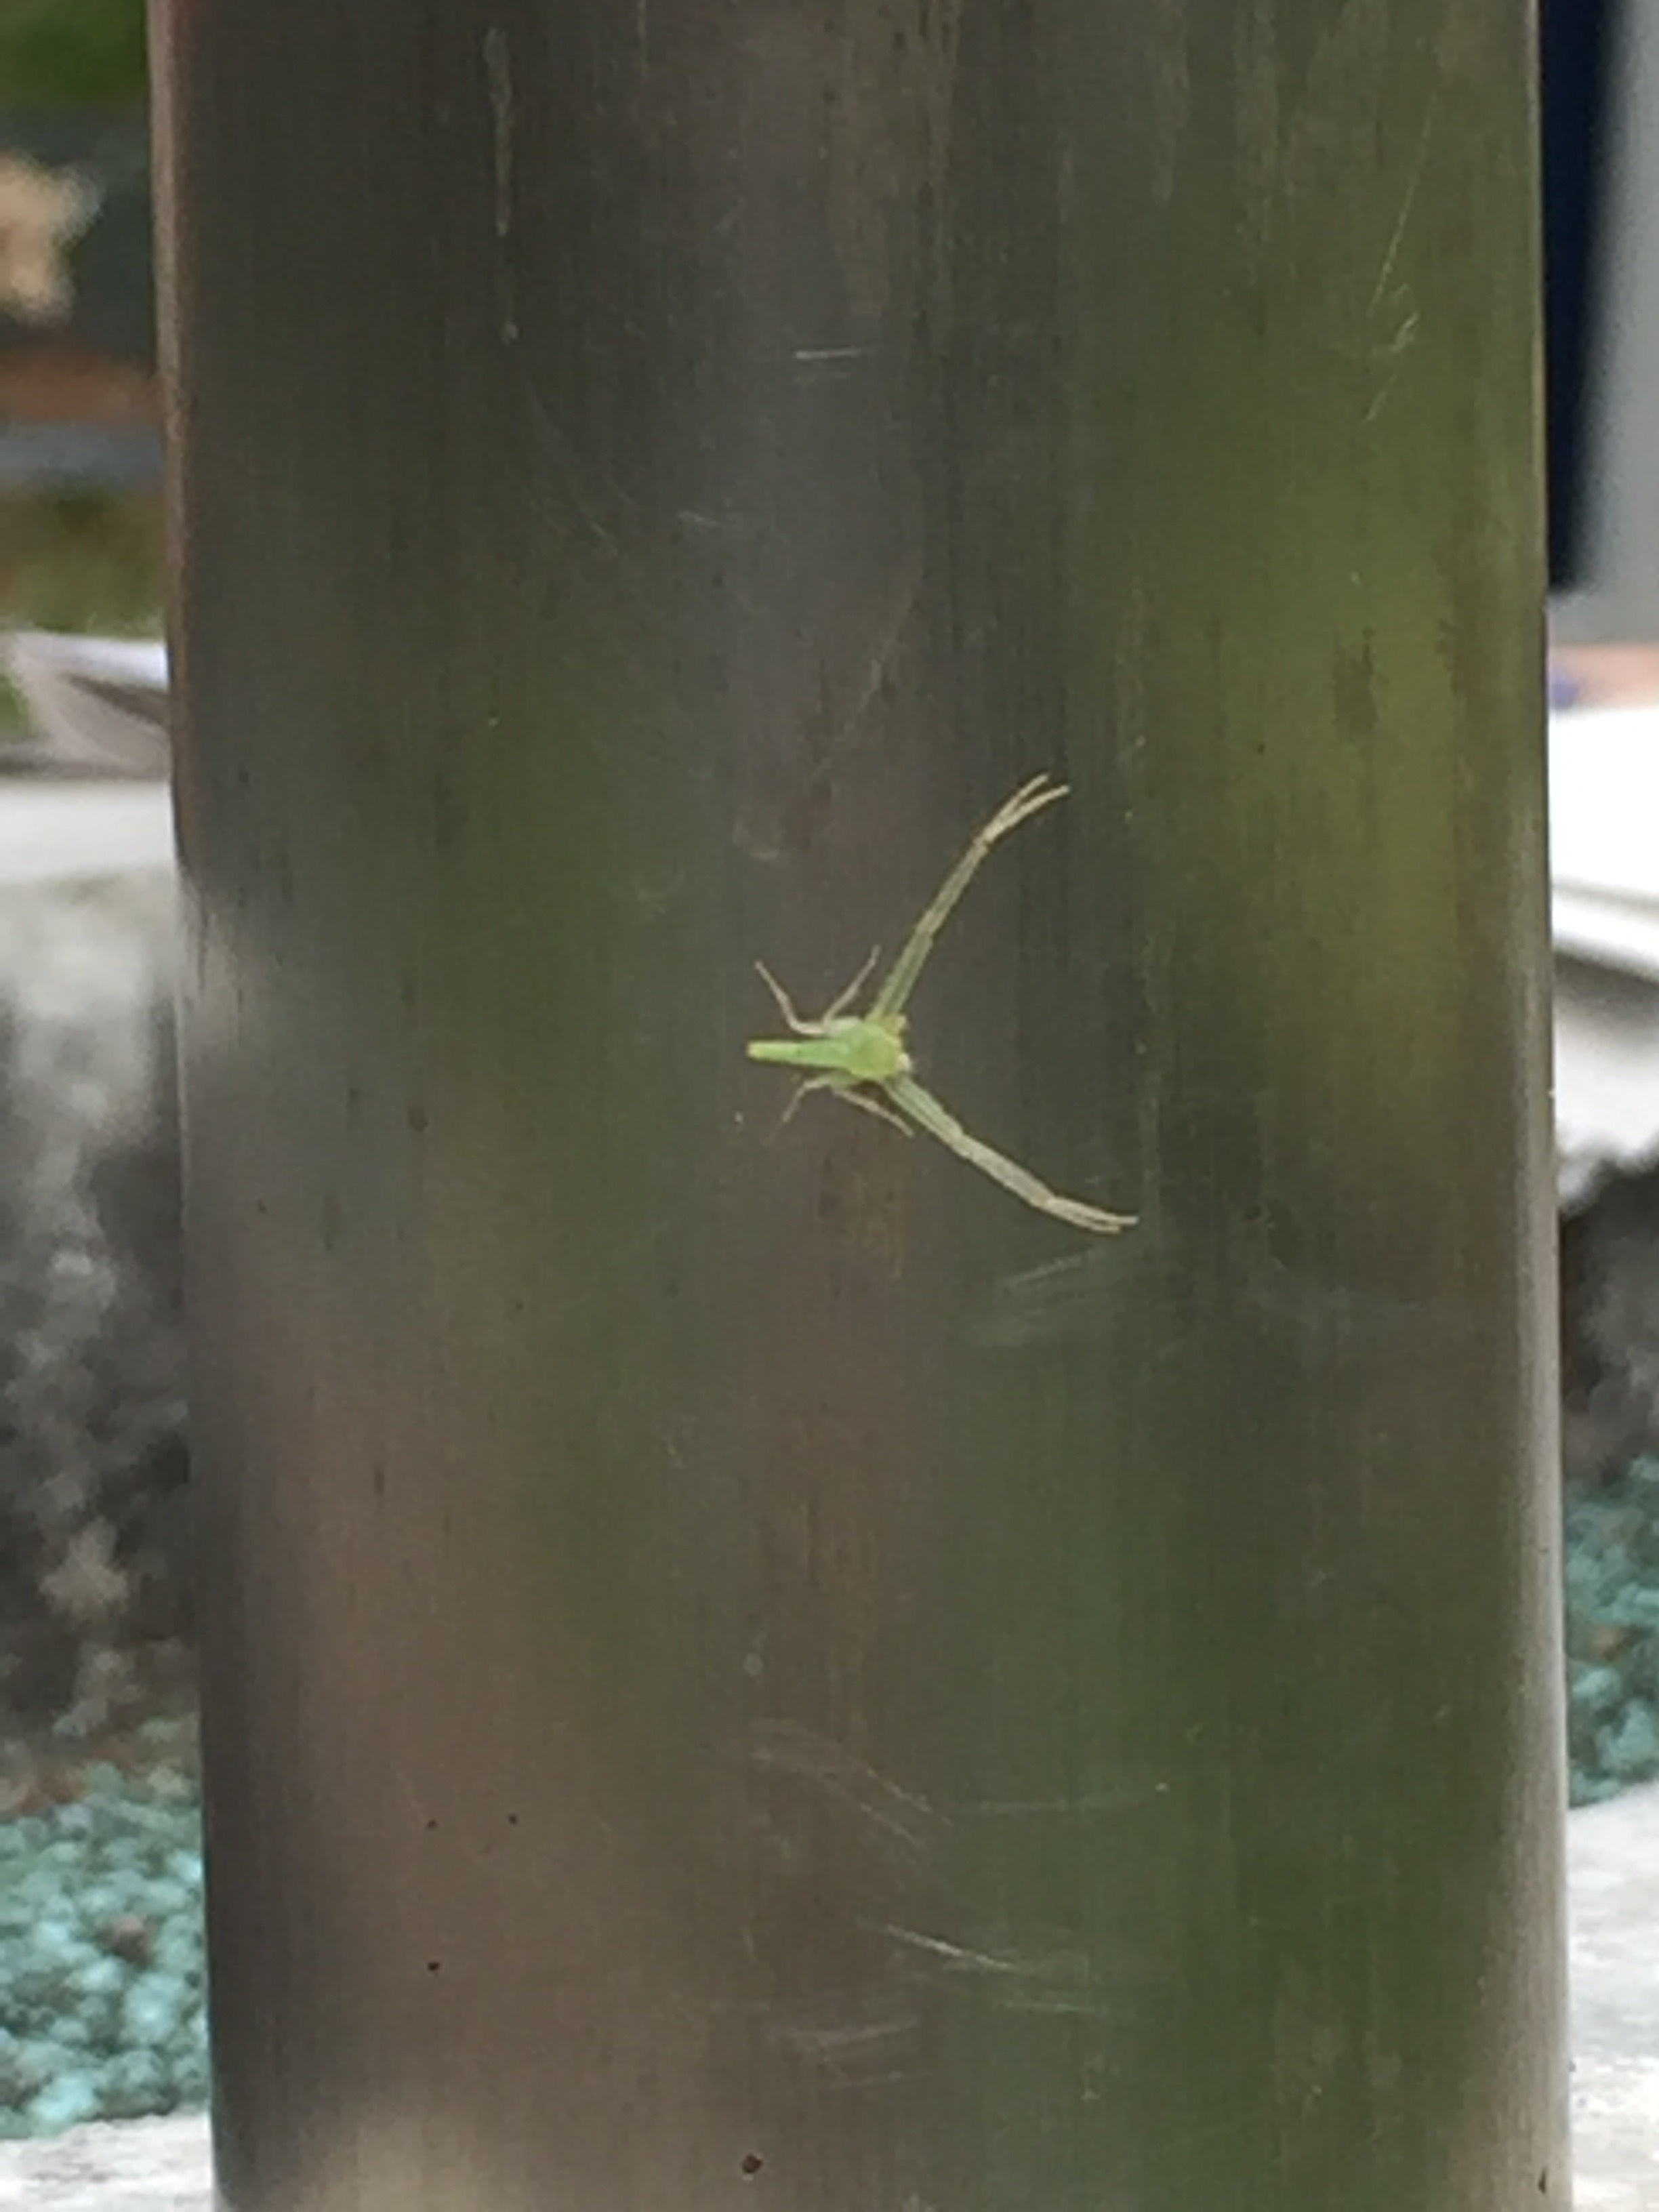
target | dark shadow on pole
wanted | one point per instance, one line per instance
(742, 1665)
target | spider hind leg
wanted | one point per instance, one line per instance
(868, 1102)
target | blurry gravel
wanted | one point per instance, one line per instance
(1613, 1633)
(102, 1973)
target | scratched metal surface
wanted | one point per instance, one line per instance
(744, 1667)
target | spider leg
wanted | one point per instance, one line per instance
(900, 980)
(786, 1005)
(804, 1089)
(938, 1121)
(868, 1103)
(844, 999)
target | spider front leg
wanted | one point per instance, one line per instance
(786, 1005)
(836, 1007)
(900, 981)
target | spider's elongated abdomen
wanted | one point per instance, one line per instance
(860, 1050)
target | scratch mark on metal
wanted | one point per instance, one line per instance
(1091, 1801)
(831, 2042)
(1399, 297)
(1408, 202)
(1058, 1981)
(498, 68)
(498, 72)
(954, 1954)
(787, 1749)
(853, 2054)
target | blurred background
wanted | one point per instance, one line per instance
(80, 443)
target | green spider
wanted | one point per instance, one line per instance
(864, 1059)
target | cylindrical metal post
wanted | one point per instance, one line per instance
(744, 1665)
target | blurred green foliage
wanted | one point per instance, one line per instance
(72, 53)
(81, 561)
(84, 560)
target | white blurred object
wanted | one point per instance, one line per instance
(1604, 877)
(1607, 1079)
(1604, 803)
(98, 706)
(51, 829)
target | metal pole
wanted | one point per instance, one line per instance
(745, 1666)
